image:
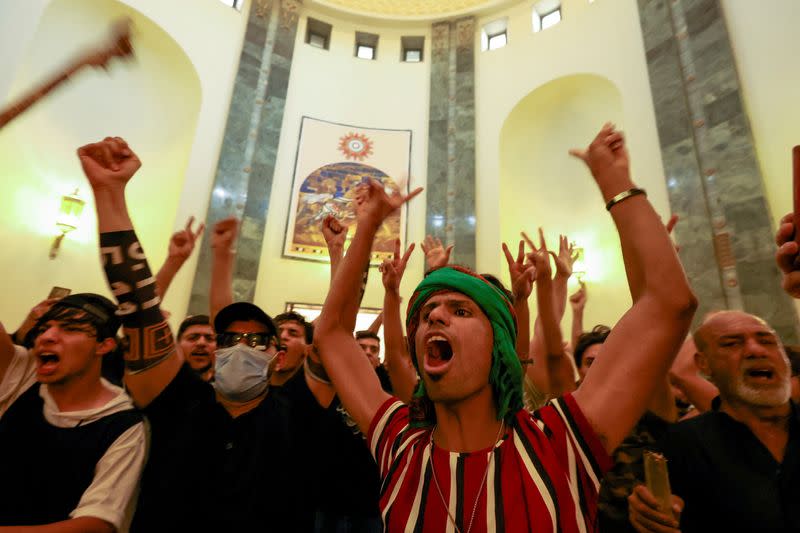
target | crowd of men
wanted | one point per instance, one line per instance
(474, 422)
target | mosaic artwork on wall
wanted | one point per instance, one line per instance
(332, 160)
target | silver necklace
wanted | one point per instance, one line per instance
(480, 489)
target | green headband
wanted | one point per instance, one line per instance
(505, 375)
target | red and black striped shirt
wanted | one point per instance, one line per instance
(545, 474)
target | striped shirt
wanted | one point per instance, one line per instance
(545, 474)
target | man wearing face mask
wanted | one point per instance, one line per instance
(246, 345)
(217, 458)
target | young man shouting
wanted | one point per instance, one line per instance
(470, 459)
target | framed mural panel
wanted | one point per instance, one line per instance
(332, 160)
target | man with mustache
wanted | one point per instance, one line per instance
(747, 449)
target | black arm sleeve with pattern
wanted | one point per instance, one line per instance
(134, 287)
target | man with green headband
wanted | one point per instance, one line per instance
(466, 457)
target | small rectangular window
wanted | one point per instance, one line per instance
(412, 49)
(413, 56)
(546, 14)
(494, 35)
(318, 33)
(315, 39)
(366, 45)
(365, 52)
(498, 41)
(236, 4)
(551, 19)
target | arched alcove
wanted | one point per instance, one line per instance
(541, 185)
(153, 102)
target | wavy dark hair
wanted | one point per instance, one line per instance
(596, 336)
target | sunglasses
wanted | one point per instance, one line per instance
(259, 341)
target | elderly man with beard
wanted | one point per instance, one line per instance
(737, 467)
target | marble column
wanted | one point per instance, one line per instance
(713, 176)
(246, 165)
(451, 143)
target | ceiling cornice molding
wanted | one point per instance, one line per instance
(412, 10)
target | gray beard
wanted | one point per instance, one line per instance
(764, 397)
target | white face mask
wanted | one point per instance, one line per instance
(241, 372)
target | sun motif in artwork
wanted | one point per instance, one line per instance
(355, 146)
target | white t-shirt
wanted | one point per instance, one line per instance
(114, 490)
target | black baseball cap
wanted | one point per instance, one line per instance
(243, 311)
(100, 311)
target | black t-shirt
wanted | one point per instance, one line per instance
(728, 479)
(342, 478)
(383, 375)
(210, 472)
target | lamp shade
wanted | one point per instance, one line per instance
(71, 209)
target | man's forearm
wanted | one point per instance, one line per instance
(547, 315)
(134, 287)
(560, 283)
(167, 273)
(335, 253)
(398, 363)
(577, 325)
(646, 247)
(348, 280)
(112, 210)
(6, 351)
(523, 327)
(221, 291)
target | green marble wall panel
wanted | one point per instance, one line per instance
(451, 138)
(246, 166)
(713, 177)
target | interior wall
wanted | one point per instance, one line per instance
(180, 147)
(537, 182)
(765, 42)
(334, 85)
(555, 191)
(37, 150)
(37, 160)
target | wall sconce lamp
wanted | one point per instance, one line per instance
(579, 266)
(68, 217)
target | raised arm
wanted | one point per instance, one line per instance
(223, 253)
(398, 362)
(564, 260)
(551, 372)
(522, 277)
(685, 375)
(152, 361)
(180, 248)
(352, 374)
(560, 373)
(578, 303)
(6, 351)
(375, 327)
(436, 255)
(642, 345)
(18, 337)
(335, 235)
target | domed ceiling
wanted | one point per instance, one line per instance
(411, 9)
